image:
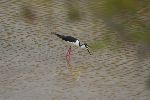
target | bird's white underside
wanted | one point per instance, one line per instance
(77, 44)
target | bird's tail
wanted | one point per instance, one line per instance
(58, 35)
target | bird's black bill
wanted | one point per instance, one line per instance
(89, 51)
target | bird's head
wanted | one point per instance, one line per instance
(86, 46)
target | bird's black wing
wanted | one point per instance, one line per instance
(70, 39)
(66, 38)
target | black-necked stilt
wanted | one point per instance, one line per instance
(72, 40)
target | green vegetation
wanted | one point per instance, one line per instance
(98, 45)
(128, 18)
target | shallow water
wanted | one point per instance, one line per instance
(33, 65)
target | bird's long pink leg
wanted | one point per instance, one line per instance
(68, 55)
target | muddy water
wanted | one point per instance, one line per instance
(33, 65)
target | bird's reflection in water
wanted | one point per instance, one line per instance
(71, 74)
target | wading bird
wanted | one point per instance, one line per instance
(73, 41)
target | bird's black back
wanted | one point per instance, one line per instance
(66, 38)
(69, 39)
